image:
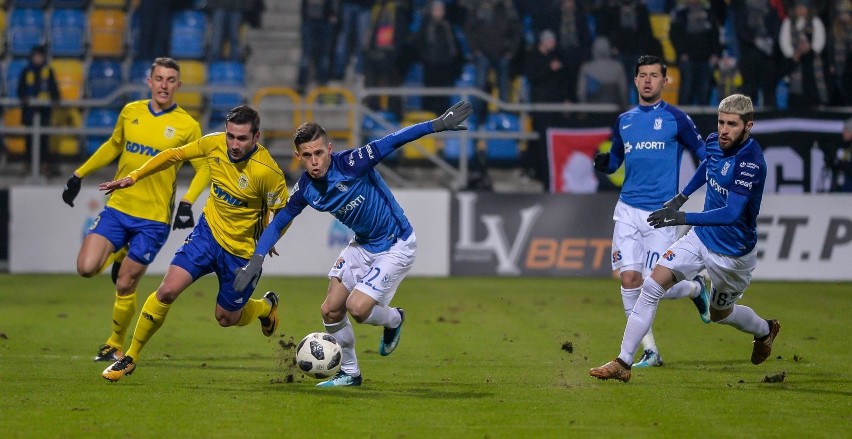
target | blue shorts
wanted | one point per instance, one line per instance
(143, 237)
(200, 254)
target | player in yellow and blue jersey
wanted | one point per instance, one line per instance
(136, 221)
(247, 187)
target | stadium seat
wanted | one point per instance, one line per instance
(414, 78)
(103, 78)
(13, 74)
(226, 73)
(371, 130)
(66, 145)
(502, 150)
(68, 32)
(99, 118)
(79, 4)
(2, 31)
(138, 75)
(26, 29)
(671, 91)
(216, 121)
(120, 4)
(660, 25)
(16, 145)
(192, 73)
(69, 78)
(28, 3)
(108, 31)
(427, 142)
(452, 145)
(188, 38)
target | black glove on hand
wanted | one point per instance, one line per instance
(249, 274)
(451, 119)
(602, 161)
(665, 217)
(72, 188)
(677, 202)
(183, 218)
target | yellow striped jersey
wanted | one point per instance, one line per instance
(242, 194)
(139, 135)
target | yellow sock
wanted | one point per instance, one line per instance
(122, 314)
(254, 309)
(150, 319)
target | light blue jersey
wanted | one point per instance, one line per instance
(735, 180)
(650, 141)
(354, 192)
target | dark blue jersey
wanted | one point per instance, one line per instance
(735, 179)
(650, 141)
(354, 192)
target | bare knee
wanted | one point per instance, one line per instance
(87, 270)
(331, 315)
(225, 321)
(631, 279)
(359, 311)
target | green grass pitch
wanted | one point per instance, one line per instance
(479, 358)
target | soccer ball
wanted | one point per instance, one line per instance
(318, 355)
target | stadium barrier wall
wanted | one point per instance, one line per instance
(801, 236)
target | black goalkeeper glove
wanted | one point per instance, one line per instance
(665, 217)
(602, 162)
(249, 274)
(183, 218)
(452, 118)
(72, 188)
(677, 202)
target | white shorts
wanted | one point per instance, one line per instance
(378, 275)
(729, 275)
(636, 246)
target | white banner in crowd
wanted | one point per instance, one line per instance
(45, 233)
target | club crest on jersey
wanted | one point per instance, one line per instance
(169, 132)
(339, 263)
(669, 255)
(616, 256)
(342, 187)
(725, 168)
(658, 123)
(243, 181)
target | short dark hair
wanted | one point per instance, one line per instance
(308, 132)
(649, 60)
(242, 115)
(166, 62)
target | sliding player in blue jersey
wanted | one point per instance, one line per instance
(722, 241)
(369, 270)
(650, 140)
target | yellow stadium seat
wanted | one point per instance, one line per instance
(2, 29)
(121, 4)
(660, 24)
(66, 145)
(108, 28)
(69, 77)
(192, 73)
(671, 90)
(427, 142)
(15, 145)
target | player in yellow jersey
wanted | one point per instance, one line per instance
(247, 188)
(137, 221)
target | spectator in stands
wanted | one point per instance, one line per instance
(694, 34)
(840, 53)
(38, 82)
(155, 28)
(494, 31)
(386, 41)
(226, 20)
(438, 49)
(756, 25)
(627, 26)
(354, 19)
(802, 40)
(544, 67)
(318, 20)
(727, 76)
(842, 169)
(602, 80)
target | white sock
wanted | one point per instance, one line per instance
(629, 296)
(639, 322)
(684, 288)
(384, 316)
(345, 336)
(746, 320)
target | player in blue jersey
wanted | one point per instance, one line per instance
(650, 140)
(722, 241)
(369, 270)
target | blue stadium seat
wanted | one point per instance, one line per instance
(502, 150)
(225, 73)
(28, 3)
(68, 32)
(13, 74)
(78, 4)
(99, 118)
(188, 37)
(414, 78)
(216, 121)
(138, 75)
(372, 130)
(26, 29)
(103, 78)
(452, 146)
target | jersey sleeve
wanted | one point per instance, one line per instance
(108, 151)
(168, 158)
(294, 206)
(747, 175)
(722, 216)
(616, 150)
(688, 135)
(359, 160)
(698, 179)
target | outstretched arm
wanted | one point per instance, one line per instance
(159, 162)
